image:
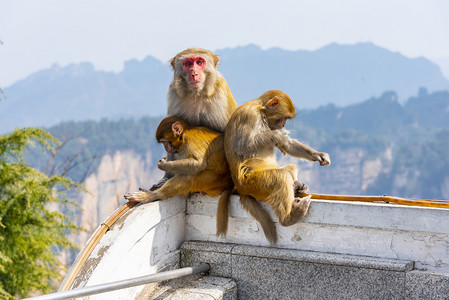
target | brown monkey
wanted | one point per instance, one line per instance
(252, 134)
(198, 94)
(200, 166)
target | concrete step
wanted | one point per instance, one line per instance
(274, 273)
(190, 288)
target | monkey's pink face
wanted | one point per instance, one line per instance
(194, 68)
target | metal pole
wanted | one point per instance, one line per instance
(126, 283)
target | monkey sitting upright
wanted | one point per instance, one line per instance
(199, 166)
(252, 134)
(198, 93)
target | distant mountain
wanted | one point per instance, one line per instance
(384, 115)
(79, 92)
(380, 144)
(338, 74)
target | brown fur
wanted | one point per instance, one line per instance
(200, 166)
(252, 134)
(210, 105)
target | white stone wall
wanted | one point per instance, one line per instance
(143, 241)
(147, 239)
(370, 229)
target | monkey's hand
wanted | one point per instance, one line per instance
(323, 158)
(162, 163)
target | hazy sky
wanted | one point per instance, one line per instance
(36, 34)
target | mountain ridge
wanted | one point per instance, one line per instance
(339, 74)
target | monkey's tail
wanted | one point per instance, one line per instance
(223, 212)
(261, 215)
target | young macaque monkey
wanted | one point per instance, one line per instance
(200, 166)
(198, 94)
(252, 134)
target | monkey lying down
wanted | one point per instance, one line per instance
(199, 166)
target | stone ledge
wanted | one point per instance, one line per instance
(300, 256)
(192, 287)
(397, 232)
(273, 273)
(346, 213)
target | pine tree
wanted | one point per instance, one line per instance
(33, 230)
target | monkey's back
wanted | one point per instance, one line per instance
(210, 143)
(240, 133)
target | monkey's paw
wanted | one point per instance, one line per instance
(300, 188)
(139, 196)
(162, 163)
(302, 204)
(324, 159)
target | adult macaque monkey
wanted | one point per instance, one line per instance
(252, 134)
(198, 94)
(199, 166)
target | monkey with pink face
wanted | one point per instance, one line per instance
(198, 94)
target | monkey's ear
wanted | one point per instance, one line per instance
(216, 59)
(172, 62)
(273, 103)
(177, 129)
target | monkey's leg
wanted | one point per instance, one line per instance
(298, 186)
(211, 183)
(300, 208)
(143, 196)
(261, 215)
(292, 169)
(276, 186)
(175, 186)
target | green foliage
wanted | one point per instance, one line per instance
(32, 228)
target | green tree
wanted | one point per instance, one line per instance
(33, 230)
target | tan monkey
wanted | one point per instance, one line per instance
(198, 94)
(252, 134)
(200, 166)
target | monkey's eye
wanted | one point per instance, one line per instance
(188, 63)
(200, 62)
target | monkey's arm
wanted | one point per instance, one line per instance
(187, 166)
(298, 149)
(263, 140)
